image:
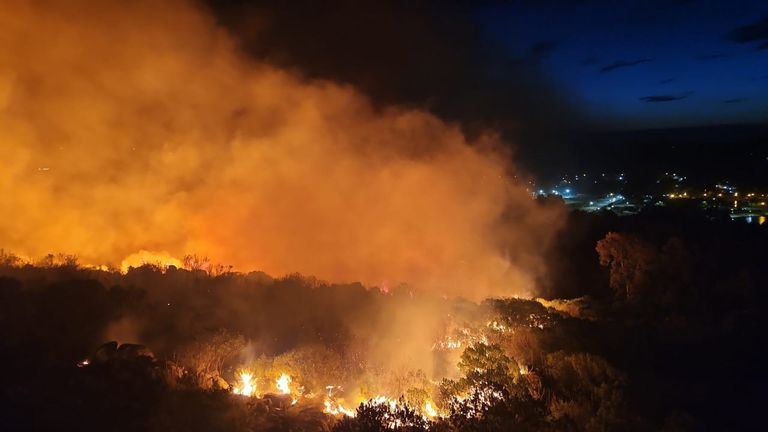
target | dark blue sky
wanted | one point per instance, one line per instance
(638, 64)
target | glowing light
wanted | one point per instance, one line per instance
(284, 384)
(247, 386)
(429, 410)
(448, 344)
(499, 327)
(163, 260)
(335, 407)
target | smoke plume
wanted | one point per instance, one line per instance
(140, 126)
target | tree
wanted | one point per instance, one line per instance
(586, 391)
(490, 397)
(483, 363)
(642, 272)
(631, 261)
(379, 417)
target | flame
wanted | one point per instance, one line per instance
(383, 400)
(497, 326)
(335, 407)
(161, 259)
(448, 344)
(247, 386)
(283, 384)
(430, 410)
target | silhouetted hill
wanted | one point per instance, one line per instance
(705, 155)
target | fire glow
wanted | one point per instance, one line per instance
(241, 161)
(257, 168)
(246, 386)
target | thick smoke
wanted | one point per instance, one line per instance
(130, 126)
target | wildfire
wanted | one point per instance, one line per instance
(447, 344)
(247, 386)
(499, 327)
(283, 384)
(161, 259)
(335, 407)
(429, 410)
(383, 400)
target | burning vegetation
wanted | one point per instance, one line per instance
(223, 350)
(243, 341)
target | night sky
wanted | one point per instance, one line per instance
(546, 75)
(647, 64)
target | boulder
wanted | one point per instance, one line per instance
(103, 353)
(278, 401)
(133, 351)
(220, 383)
(171, 372)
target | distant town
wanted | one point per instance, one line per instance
(616, 192)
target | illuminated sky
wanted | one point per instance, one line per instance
(637, 64)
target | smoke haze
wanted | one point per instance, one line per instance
(139, 126)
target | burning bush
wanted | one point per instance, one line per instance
(206, 356)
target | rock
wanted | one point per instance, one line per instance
(171, 372)
(104, 353)
(133, 351)
(280, 402)
(220, 383)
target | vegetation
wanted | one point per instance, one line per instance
(662, 338)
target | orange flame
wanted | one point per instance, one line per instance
(247, 385)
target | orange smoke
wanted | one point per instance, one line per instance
(130, 126)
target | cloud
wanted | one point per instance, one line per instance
(734, 101)
(623, 63)
(667, 81)
(664, 98)
(757, 31)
